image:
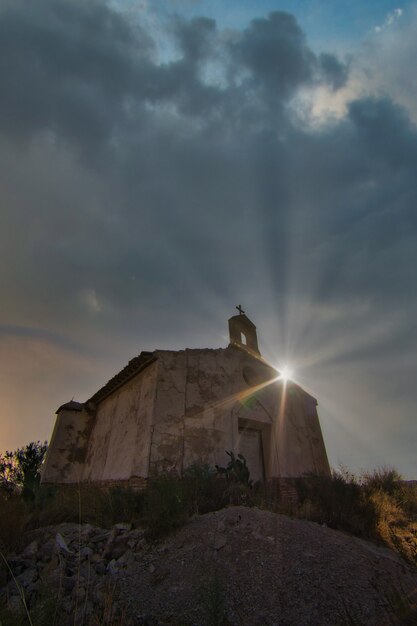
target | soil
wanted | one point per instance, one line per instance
(235, 566)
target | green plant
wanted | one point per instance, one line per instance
(204, 489)
(385, 479)
(236, 470)
(164, 506)
(20, 470)
(338, 501)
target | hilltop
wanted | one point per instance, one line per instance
(237, 565)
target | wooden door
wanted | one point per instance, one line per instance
(250, 446)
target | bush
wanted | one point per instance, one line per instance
(384, 479)
(164, 507)
(20, 471)
(339, 502)
(205, 490)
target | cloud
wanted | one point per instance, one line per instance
(390, 19)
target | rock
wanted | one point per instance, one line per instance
(61, 544)
(86, 553)
(109, 544)
(123, 526)
(112, 567)
(51, 565)
(127, 558)
(117, 552)
(31, 550)
(100, 537)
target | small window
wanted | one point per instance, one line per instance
(243, 339)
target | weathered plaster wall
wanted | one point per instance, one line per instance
(300, 447)
(189, 406)
(201, 395)
(203, 398)
(67, 451)
(120, 438)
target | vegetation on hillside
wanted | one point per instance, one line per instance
(379, 506)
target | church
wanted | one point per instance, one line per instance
(169, 409)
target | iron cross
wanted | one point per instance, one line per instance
(241, 311)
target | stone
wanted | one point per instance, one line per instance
(62, 544)
(127, 558)
(86, 553)
(123, 526)
(31, 550)
(112, 567)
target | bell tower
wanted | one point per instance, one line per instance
(242, 332)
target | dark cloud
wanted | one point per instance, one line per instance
(275, 52)
(335, 72)
(195, 37)
(66, 68)
(137, 192)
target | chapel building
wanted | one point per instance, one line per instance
(169, 409)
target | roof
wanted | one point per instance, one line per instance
(71, 406)
(135, 365)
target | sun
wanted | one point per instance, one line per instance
(286, 373)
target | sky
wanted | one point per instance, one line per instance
(162, 162)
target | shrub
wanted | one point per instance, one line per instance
(20, 470)
(384, 479)
(204, 489)
(339, 502)
(164, 507)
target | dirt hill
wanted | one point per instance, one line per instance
(235, 566)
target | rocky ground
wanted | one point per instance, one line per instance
(235, 566)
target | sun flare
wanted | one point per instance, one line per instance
(286, 373)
